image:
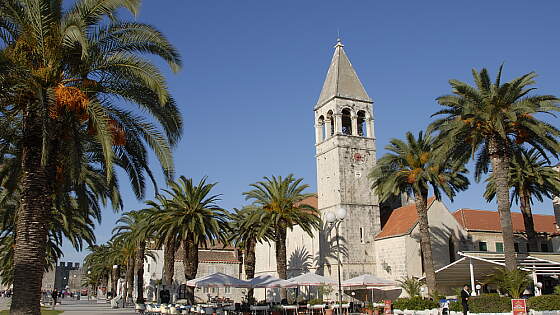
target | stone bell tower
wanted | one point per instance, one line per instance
(345, 147)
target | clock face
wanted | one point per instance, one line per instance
(358, 158)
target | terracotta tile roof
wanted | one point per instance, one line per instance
(312, 201)
(402, 220)
(486, 220)
(212, 256)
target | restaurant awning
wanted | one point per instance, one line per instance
(476, 267)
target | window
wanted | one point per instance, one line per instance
(544, 247)
(499, 247)
(362, 124)
(204, 290)
(362, 235)
(227, 290)
(346, 122)
(182, 294)
(516, 246)
(148, 267)
(482, 246)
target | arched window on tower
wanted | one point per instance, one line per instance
(321, 132)
(362, 123)
(329, 130)
(346, 122)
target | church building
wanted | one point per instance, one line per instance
(378, 239)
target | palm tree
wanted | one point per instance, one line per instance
(170, 240)
(132, 229)
(245, 232)
(488, 120)
(280, 202)
(69, 70)
(193, 215)
(412, 168)
(530, 175)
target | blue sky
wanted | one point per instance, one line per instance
(253, 71)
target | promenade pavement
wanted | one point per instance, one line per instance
(82, 307)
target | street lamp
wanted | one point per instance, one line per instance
(478, 287)
(334, 219)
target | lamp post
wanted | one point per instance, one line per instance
(334, 219)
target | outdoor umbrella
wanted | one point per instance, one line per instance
(310, 279)
(368, 281)
(218, 280)
(268, 281)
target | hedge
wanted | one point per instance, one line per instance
(486, 303)
(414, 303)
(550, 302)
(493, 303)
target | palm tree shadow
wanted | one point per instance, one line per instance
(299, 263)
(328, 249)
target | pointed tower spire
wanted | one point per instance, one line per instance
(342, 81)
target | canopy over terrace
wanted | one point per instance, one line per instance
(477, 267)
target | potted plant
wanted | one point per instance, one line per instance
(369, 308)
(276, 309)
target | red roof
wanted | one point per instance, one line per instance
(402, 220)
(227, 256)
(311, 201)
(485, 220)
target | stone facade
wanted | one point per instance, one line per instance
(399, 255)
(211, 260)
(59, 276)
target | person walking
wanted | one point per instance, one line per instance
(54, 296)
(465, 299)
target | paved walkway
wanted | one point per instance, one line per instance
(82, 307)
(90, 308)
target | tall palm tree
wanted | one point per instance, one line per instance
(194, 216)
(413, 167)
(69, 71)
(169, 240)
(132, 229)
(280, 202)
(530, 176)
(245, 232)
(487, 120)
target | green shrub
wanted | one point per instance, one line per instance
(456, 306)
(414, 303)
(557, 289)
(315, 301)
(489, 303)
(410, 285)
(550, 302)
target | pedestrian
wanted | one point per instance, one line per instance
(465, 299)
(165, 296)
(54, 296)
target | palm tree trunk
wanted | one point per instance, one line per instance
(249, 262)
(525, 203)
(129, 278)
(281, 261)
(500, 171)
(190, 263)
(169, 264)
(114, 279)
(140, 253)
(31, 220)
(421, 200)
